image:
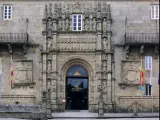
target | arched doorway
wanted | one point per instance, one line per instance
(77, 88)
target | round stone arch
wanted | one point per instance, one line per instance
(77, 61)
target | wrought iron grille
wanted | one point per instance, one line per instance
(142, 38)
(14, 38)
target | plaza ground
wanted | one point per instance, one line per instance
(90, 119)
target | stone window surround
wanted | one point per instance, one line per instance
(154, 15)
(7, 13)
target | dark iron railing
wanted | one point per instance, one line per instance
(12, 38)
(142, 38)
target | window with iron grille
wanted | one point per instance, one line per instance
(77, 22)
(148, 90)
(154, 12)
(7, 12)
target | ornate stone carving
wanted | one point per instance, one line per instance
(77, 8)
(50, 11)
(130, 72)
(94, 24)
(23, 72)
(127, 51)
(49, 66)
(87, 24)
(49, 28)
(78, 43)
(60, 24)
(49, 44)
(67, 25)
(104, 26)
(141, 49)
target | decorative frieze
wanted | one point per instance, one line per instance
(77, 43)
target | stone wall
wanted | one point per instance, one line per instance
(27, 17)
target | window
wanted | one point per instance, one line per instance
(154, 12)
(77, 22)
(148, 89)
(7, 12)
(148, 62)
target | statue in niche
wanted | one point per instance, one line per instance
(49, 45)
(87, 24)
(94, 24)
(49, 25)
(67, 24)
(104, 43)
(60, 24)
(49, 68)
(105, 25)
(48, 84)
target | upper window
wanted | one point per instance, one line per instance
(154, 12)
(7, 12)
(148, 62)
(77, 22)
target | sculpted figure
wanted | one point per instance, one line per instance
(87, 24)
(49, 45)
(105, 26)
(49, 66)
(60, 25)
(94, 24)
(67, 24)
(49, 25)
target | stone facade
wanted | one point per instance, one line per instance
(53, 48)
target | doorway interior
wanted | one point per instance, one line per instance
(77, 88)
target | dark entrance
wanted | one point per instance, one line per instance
(77, 88)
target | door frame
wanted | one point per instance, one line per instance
(83, 77)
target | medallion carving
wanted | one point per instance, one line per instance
(130, 72)
(23, 72)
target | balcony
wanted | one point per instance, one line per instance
(141, 38)
(14, 38)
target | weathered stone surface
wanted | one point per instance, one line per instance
(104, 23)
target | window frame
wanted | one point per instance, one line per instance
(148, 62)
(6, 14)
(154, 12)
(77, 22)
(148, 90)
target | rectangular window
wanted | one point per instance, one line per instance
(154, 12)
(148, 62)
(77, 22)
(148, 90)
(7, 12)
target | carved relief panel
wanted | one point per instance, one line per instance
(130, 72)
(23, 72)
(76, 43)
